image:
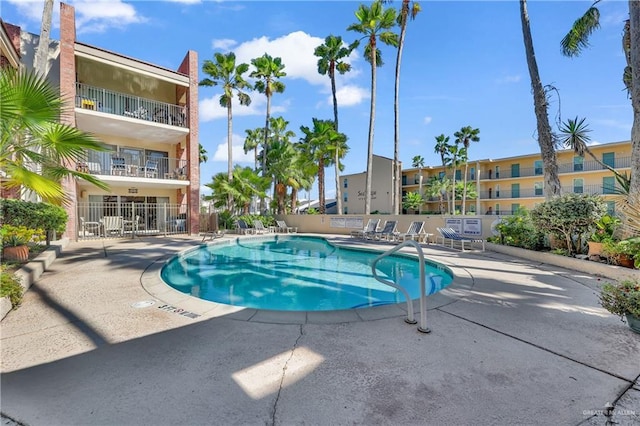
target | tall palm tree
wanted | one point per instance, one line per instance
(545, 138)
(442, 148)
(321, 142)
(465, 136)
(42, 54)
(35, 148)
(408, 10)
(418, 161)
(252, 141)
(454, 158)
(267, 72)
(374, 22)
(437, 188)
(578, 38)
(226, 73)
(331, 56)
(279, 141)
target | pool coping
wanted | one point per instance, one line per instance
(182, 303)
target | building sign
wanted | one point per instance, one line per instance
(354, 222)
(455, 224)
(472, 227)
(361, 195)
(337, 222)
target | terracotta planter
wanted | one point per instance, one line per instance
(595, 249)
(634, 323)
(20, 253)
(625, 260)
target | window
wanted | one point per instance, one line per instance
(515, 190)
(538, 188)
(473, 173)
(404, 179)
(497, 209)
(578, 164)
(538, 167)
(515, 170)
(345, 197)
(346, 182)
(609, 185)
(609, 158)
(578, 186)
(416, 178)
(458, 175)
(497, 191)
(497, 172)
(514, 208)
(440, 175)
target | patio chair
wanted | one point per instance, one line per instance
(259, 227)
(283, 227)
(92, 228)
(414, 232)
(371, 226)
(450, 234)
(243, 228)
(118, 166)
(112, 225)
(387, 232)
(150, 169)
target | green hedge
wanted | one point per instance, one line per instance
(34, 215)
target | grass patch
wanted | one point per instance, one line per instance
(10, 286)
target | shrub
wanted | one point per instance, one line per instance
(621, 299)
(34, 215)
(518, 230)
(10, 286)
(13, 236)
(570, 218)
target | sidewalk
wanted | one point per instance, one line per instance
(516, 343)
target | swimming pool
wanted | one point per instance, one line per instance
(296, 273)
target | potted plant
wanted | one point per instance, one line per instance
(623, 299)
(605, 227)
(16, 239)
(624, 253)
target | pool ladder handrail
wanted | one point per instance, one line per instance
(423, 297)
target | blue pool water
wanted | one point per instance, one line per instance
(294, 273)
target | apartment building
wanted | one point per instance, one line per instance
(354, 188)
(505, 184)
(146, 116)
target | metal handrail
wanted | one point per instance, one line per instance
(423, 296)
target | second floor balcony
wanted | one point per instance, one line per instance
(163, 168)
(104, 111)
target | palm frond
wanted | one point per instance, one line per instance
(577, 38)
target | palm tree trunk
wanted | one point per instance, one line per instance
(229, 152)
(337, 155)
(634, 18)
(321, 197)
(263, 206)
(545, 139)
(372, 112)
(395, 202)
(464, 189)
(420, 189)
(294, 199)
(453, 191)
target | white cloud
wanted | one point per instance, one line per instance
(94, 16)
(427, 120)
(223, 44)
(237, 146)
(510, 79)
(350, 95)
(185, 1)
(210, 109)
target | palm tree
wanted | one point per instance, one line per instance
(279, 140)
(545, 138)
(437, 188)
(418, 161)
(252, 142)
(245, 185)
(35, 149)
(321, 142)
(224, 72)
(454, 157)
(42, 54)
(202, 154)
(267, 72)
(465, 136)
(578, 38)
(331, 55)
(407, 10)
(374, 22)
(442, 148)
(282, 157)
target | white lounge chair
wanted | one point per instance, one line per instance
(371, 226)
(414, 232)
(283, 227)
(450, 234)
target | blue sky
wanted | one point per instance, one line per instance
(463, 64)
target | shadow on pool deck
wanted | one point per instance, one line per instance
(517, 343)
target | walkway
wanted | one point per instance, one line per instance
(516, 343)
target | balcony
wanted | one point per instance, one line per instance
(102, 111)
(538, 193)
(563, 168)
(118, 171)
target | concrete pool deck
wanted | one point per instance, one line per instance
(512, 342)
